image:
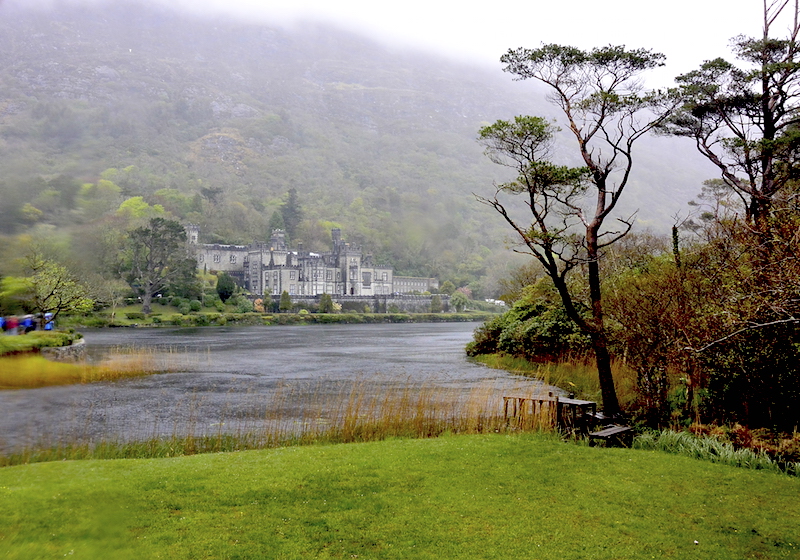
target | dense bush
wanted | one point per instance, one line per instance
(535, 328)
(241, 304)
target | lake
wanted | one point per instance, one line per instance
(229, 379)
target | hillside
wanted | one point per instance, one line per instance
(217, 120)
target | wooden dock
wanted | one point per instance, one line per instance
(570, 414)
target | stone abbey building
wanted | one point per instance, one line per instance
(272, 268)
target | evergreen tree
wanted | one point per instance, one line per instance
(292, 214)
(326, 303)
(276, 222)
(226, 287)
(286, 302)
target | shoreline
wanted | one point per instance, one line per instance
(157, 320)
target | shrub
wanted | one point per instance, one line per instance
(135, 316)
(326, 303)
(242, 304)
(201, 320)
(96, 322)
(35, 340)
(534, 328)
(195, 305)
(226, 287)
(184, 308)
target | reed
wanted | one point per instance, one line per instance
(29, 371)
(575, 375)
(302, 414)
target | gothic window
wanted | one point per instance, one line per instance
(328, 275)
(292, 275)
(217, 259)
(292, 289)
(385, 276)
(366, 279)
(201, 258)
(233, 259)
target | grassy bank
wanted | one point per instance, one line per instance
(485, 496)
(578, 376)
(167, 317)
(35, 340)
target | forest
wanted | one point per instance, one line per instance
(697, 328)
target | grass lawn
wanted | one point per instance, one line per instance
(521, 496)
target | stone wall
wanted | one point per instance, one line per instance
(377, 304)
(73, 353)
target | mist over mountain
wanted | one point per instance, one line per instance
(216, 120)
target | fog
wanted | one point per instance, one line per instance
(687, 31)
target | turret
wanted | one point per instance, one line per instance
(192, 233)
(278, 240)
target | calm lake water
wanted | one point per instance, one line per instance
(229, 378)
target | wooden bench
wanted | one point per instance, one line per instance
(613, 435)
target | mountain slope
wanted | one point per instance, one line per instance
(232, 116)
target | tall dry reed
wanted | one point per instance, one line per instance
(297, 413)
(576, 375)
(30, 371)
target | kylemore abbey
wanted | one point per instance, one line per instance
(272, 268)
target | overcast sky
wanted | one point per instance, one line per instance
(687, 31)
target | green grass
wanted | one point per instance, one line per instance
(712, 449)
(35, 340)
(483, 496)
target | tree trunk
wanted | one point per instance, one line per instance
(598, 331)
(147, 299)
(603, 361)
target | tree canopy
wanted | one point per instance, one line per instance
(744, 118)
(156, 256)
(50, 287)
(606, 110)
